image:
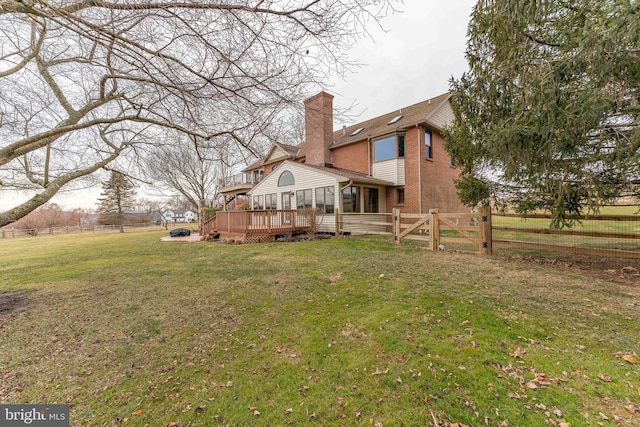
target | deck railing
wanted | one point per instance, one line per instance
(262, 221)
(241, 179)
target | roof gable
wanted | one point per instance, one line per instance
(276, 153)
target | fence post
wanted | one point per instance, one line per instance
(395, 227)
(434, 229)
(337, 221)
(487, 237)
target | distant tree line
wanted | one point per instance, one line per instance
(51, 215)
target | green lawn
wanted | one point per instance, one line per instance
(133, 331)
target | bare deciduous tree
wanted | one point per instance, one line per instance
(192, 170)
(83, 83)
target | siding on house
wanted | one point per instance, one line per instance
(305, 178)
(311, 178)
(390, 170)
(442, 116)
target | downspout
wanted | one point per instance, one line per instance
(349, 184)
(419, 171)
(369, 156)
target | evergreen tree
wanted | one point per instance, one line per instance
(548, 115)
(118, 196)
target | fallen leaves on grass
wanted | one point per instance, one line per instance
(605, 378)
(379, 372)
(519, 352)
(630, 358)
(634, 409)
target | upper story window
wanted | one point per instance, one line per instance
(286, 178)
(388, 148)
(428, 148)
(401, 146)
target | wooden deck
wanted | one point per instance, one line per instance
(256, 226)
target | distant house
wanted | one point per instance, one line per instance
(178, 216)
(396, 160)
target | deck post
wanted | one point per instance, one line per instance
(268, 213)
(337, 221)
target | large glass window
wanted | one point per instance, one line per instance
(325, 199)
(258, 202)
(351, 199)
(286, 178)
(303, 199)
(271, 201)
(384, 149)
(428, 149)
(388, 148)
(371, 200)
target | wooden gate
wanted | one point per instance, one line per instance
(474, 228)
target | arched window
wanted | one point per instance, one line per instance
(286, 178)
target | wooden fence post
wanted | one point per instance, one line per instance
(487, 237)
(395, 227)
(434, 229)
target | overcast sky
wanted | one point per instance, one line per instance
(413, 60)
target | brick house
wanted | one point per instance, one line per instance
(396, 160)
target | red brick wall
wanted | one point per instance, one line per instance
(352, 157)
(437, 176)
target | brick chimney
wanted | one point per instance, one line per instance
(318, 117)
